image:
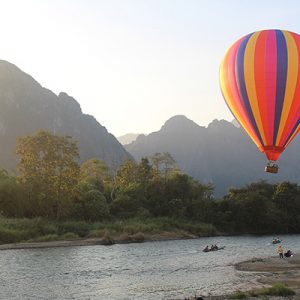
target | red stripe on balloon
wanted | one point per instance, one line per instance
(271, 79)
(260, 80)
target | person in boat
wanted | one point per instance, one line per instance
(206, 249)
(288, 253)
(214, 247)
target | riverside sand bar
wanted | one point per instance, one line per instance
(285, 270)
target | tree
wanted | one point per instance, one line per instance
(164, 165)
(89, 204)
(11, 198)
(287, 199)
(127, 174)
(49, 171)
(95, 172)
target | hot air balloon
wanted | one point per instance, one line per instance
(260, 82)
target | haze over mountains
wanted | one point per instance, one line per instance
(27, 107)
(221, 153)
(127, 138)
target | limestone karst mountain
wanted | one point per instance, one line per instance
(128, 138)
(220, 153)
(27, 107)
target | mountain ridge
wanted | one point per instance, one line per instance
(220, 153)
(27, 107)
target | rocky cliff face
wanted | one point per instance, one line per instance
(27, 107)
(221, 153)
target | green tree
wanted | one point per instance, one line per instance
(287, 199)
(164, 165)
(89, 204)
(95, 172)
(11, 196)
(49, 172)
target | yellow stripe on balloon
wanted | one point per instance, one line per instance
(227, 94)
(249, 75)
(291, 81)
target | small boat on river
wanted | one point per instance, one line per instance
(213, 249)
(276, 241)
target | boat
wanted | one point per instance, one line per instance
(276, 241)
(214, 249)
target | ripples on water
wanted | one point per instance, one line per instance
(152, 270)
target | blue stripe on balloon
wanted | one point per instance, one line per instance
(292, 132)
(281, 79)
(240, 78)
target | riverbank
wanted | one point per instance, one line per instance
(120, 239)
(275, 270)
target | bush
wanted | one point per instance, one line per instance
(108, 239)
(46, 238)
(12, 235)
(238, 295)
(91, 206)
(70, 236)
(79, 228)
(137, 238)
(278, 289)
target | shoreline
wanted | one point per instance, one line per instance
(104, 241)
(274, 270)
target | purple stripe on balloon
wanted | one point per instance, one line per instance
(281, 79)
(240, 79)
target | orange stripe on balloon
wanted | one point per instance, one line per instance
(230, 91)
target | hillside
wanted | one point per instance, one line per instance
(27, 107)
(220, 153)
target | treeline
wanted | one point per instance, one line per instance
(51, 184)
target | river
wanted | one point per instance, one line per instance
(151, 270)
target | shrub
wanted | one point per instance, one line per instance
(238, 295)
(278, 289)
(137, 238)
(70, 236)
(46, 238)
(79, 228)
(12, 235)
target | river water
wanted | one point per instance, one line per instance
(151, 270)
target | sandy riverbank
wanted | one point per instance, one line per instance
(274, 270)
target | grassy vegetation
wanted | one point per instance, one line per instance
(278, 289)
(130, 230)
(238, 295)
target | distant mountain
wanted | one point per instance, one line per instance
(221, 153)
(128, 138)
(27, 107)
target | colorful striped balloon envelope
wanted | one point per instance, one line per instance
(260, 82)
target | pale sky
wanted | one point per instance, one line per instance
(133, 64)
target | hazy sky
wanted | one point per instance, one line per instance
(135, 63)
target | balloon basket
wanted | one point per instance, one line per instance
(271, 169)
